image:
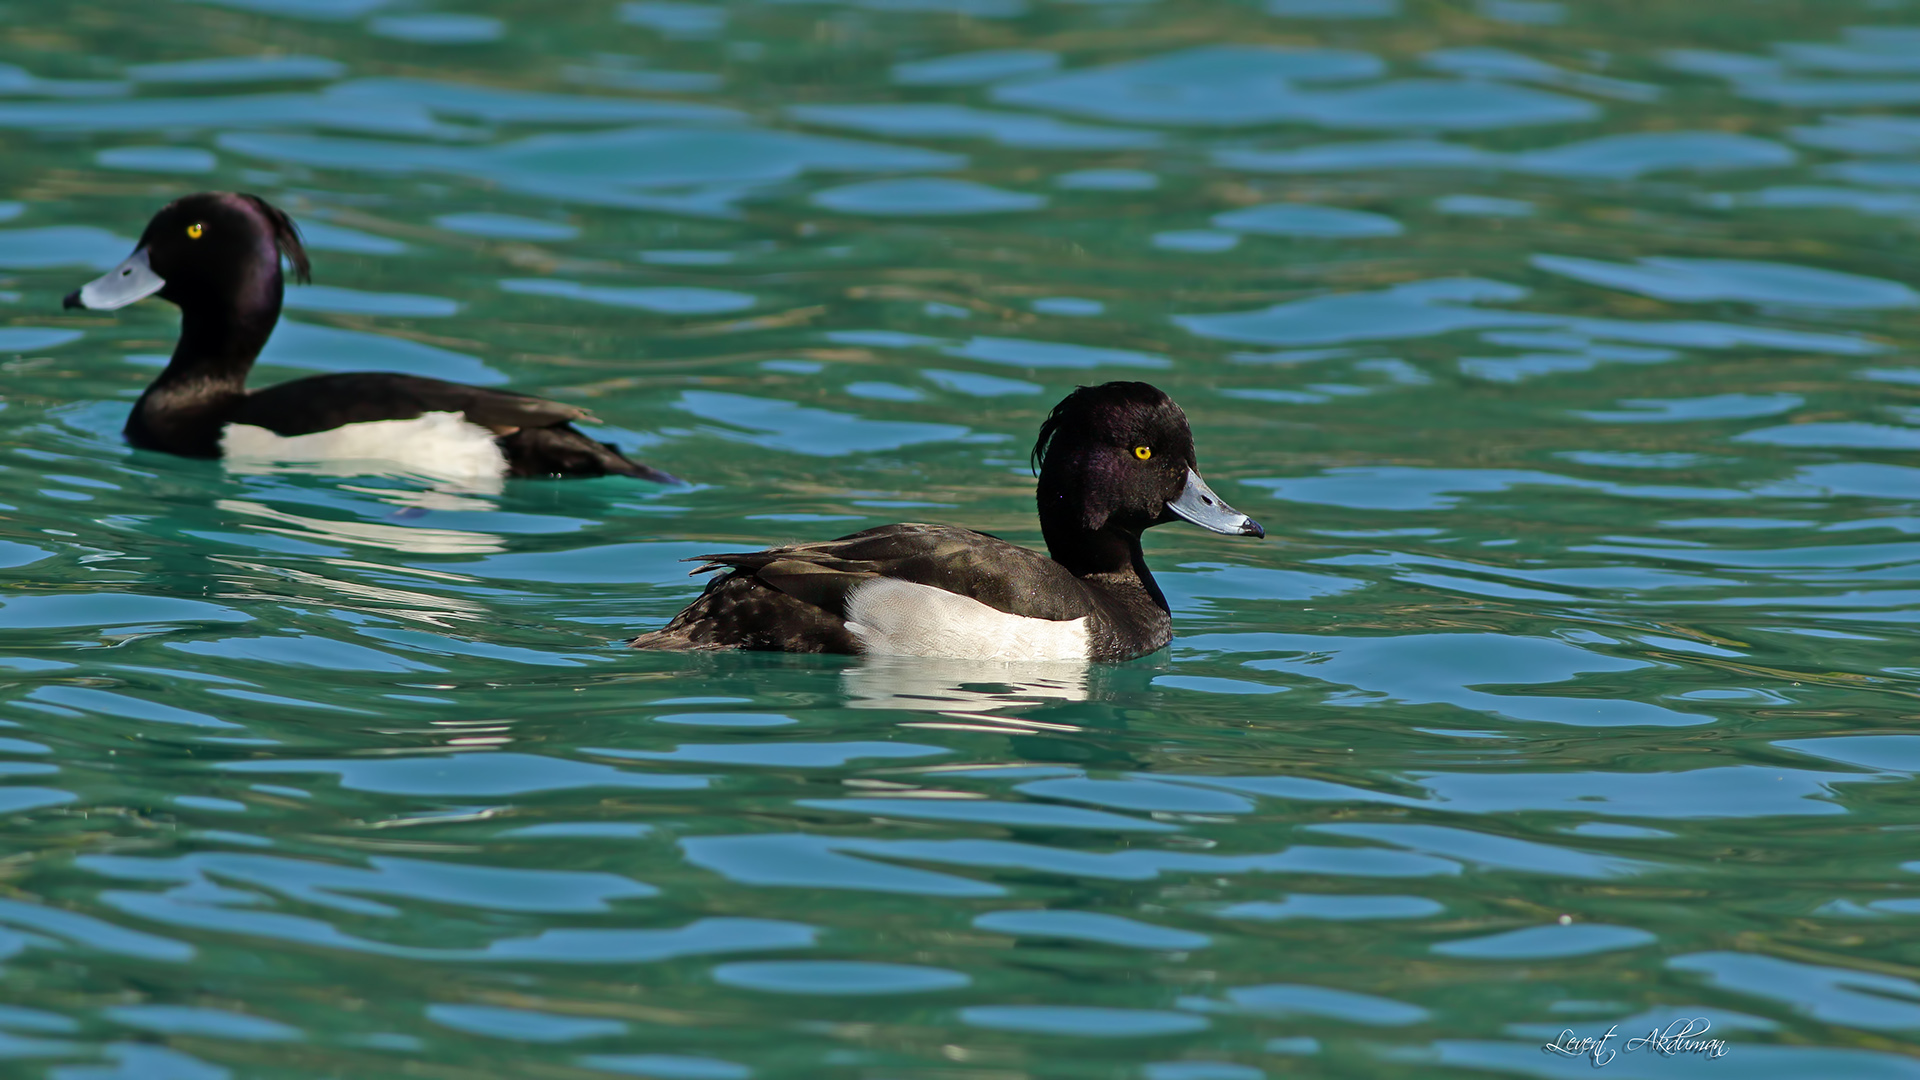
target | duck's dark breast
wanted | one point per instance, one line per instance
(1127, 624)
(177, 420)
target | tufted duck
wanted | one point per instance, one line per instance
(217, 256)
(1115, 460)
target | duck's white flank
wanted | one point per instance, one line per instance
(435, 443)
(902, 618)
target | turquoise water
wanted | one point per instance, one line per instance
(1565, 350)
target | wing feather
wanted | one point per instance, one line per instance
(1003, 576)
(322, 402)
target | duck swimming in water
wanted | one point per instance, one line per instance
(1115, 460)
(216, 256)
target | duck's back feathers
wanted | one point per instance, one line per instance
(534, 435)
(798, 598)
(320, 402)
(1005, 577)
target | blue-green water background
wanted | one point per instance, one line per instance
(1564, 350)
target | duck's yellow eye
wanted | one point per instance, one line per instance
(1143, 452)
(195, 231)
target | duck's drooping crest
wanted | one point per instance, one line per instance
(1113, 460)
(217, 256)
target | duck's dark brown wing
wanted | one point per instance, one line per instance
(793, 599)
(324, 402)
(536, 435)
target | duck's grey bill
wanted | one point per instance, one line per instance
(1198, 504)
(131, 280)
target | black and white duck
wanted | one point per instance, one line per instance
(217, 256)
(1115, 460)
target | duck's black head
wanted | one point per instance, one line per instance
(217, 251)
(1118, 458)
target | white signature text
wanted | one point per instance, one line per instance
(1680, 1037)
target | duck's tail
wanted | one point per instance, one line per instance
(563, 450)
(673, 640)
